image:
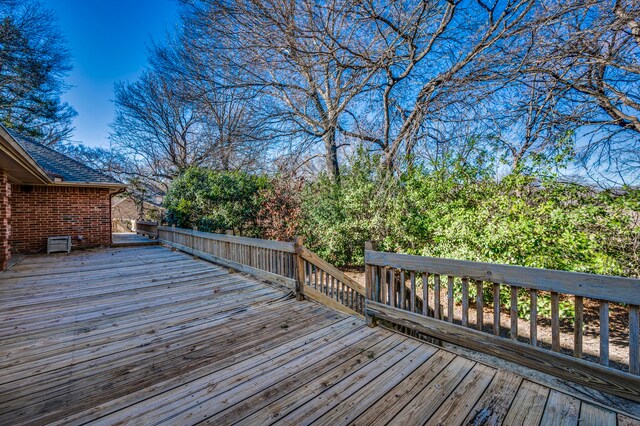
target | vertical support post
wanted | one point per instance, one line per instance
(228, 245)
(634, 339)
(297, 242)
(370, 293)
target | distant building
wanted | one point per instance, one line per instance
(126, 209)
(44, 193)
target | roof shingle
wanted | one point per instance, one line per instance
(58, 165)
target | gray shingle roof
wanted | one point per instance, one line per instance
(59, 165)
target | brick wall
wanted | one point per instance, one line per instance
(5, 217)
(39, 212)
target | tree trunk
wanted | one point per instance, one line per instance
(331, 156)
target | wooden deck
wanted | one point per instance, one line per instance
(144, 335)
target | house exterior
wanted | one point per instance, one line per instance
(44, 193)
(125, 210)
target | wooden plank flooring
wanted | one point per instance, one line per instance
(145, 335)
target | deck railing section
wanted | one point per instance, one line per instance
(287, 263)
(271, 260)
(326, 284)
(396, 281)
(147, 228)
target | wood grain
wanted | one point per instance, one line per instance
(583, 372)
(601, 287)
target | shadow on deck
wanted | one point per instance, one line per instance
(142, 335)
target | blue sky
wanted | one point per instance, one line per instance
(108, 40)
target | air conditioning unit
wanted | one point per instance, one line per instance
(58, 244)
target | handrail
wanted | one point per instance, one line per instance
(287, 263)
(283, 246)
(388, 275)
(326, 284)
(310, 256)
(602, 287)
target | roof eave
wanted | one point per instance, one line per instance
(18, 154)
(113, 185)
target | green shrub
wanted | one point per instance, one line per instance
(216, 201)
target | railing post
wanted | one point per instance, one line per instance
(369, 283)
(297, 242)
(227, 245)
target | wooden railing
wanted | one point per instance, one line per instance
(326, 284)
(395, 282)
(270, 260)
(149, 229)
(287, 263)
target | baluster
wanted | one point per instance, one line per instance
(465, 301)
(533, 319)
(425, 294)
(315, 277)
(436, 296)
(496, 309)
(479, 305)
(352, 299)
(634, 340)
(513, 312)
(604, 333)
(555, 321)
(345, 296)
(412, 302)
(334, 288)
(283, 265)
(450, 312)
(376, 284)
(384, 294)
(578, 326)
(402, 290)
(327, 283)
(394, 287)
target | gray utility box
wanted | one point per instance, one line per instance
(58, 244)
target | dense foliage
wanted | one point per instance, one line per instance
(216, 201)
(461, 211)
(465, 213)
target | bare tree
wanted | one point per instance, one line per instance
(157, 128)
(291, 53)
(438, 58)
(591, 50)
(231, 119)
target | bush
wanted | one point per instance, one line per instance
(337, 218)
(216, 201)
(280, 211)
(463, 212)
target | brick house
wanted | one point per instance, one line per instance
(44, 193)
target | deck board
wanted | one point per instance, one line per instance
(146, 335)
